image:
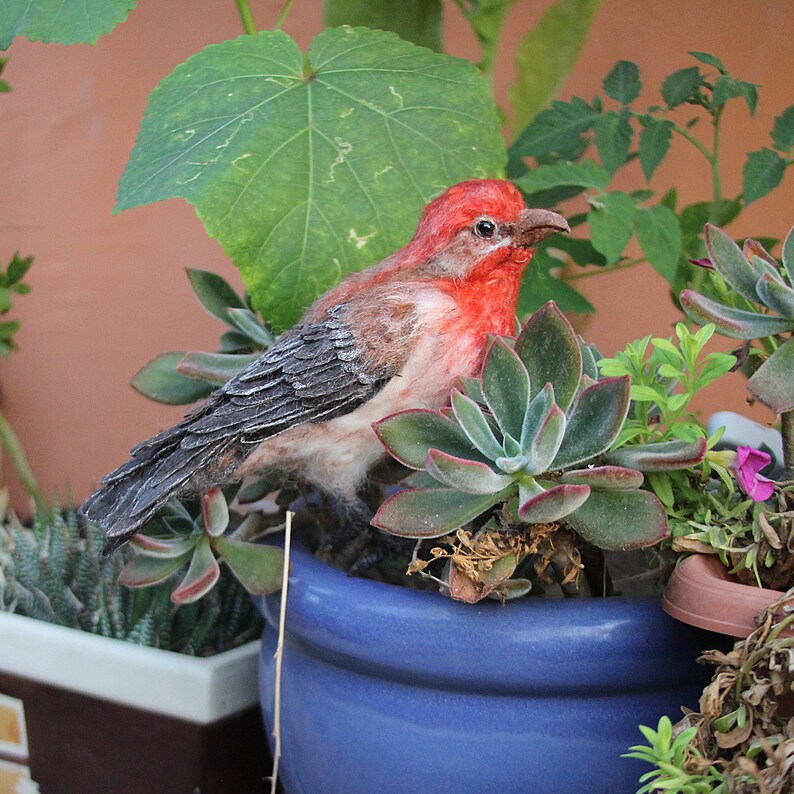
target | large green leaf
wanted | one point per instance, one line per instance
(547, 54)
(306, 171)
(556, 129)
(60, 21)
(418, 21)
(588, 173)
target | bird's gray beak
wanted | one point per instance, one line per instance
(536, 225)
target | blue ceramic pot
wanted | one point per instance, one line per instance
(387, 690)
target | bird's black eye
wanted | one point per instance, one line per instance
(485, 228)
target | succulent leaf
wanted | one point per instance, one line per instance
(475, 425)
(736, 323)
(729, 262)
(144, 570)
(550, 351)
(215, 368)
(465, 475)
(433, 512)
(247, 322)
(409, 435)
(777, 296)
(471, 387)
(419, 479)
(589, 358)
(202, 573)
(620, 520)
(166, 548)
(259, 568)
(215, 512)
(553, 504)
(463, 588)
(660, 456)
(505, 386)
(546, 442)
(595, 420)
(214, 292)
(773, 382)
(539, 408)
(788, 256)
(605, 478)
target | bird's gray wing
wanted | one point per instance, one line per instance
(314, 373)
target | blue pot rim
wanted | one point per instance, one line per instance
(532, 645)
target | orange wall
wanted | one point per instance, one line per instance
(109, 293)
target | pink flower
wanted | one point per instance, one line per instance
(749, 461)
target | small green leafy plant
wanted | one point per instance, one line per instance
(533, 435)
(563, 139)
(741, 738)
(668, 755)
(665, 377)
(54, 571)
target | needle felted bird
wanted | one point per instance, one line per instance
(391, 337)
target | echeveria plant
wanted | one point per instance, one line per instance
(532, 435)
(755, 302)
(176, 538)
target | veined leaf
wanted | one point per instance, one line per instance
(60, 21)
(611, 223)
(306, 167)
(678, 87)
(613, 138)
(557, 129)
(762, 173)
(659, 235)
(623, 82)
(654, 143)
(783, 130)
(588, 173)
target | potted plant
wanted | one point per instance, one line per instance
(749, 529)
(86, 663)
(384, 684)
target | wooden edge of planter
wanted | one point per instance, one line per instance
(702, 593)
(200, 690)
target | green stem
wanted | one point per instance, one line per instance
(602, 270)
(283, 14)
(716, 185)
(10, 440)
(693, 140)
(246, 17)
(787, 432)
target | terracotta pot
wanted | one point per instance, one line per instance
(702, 593)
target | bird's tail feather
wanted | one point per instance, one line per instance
(161, 468)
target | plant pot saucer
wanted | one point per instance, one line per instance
(702, 593)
